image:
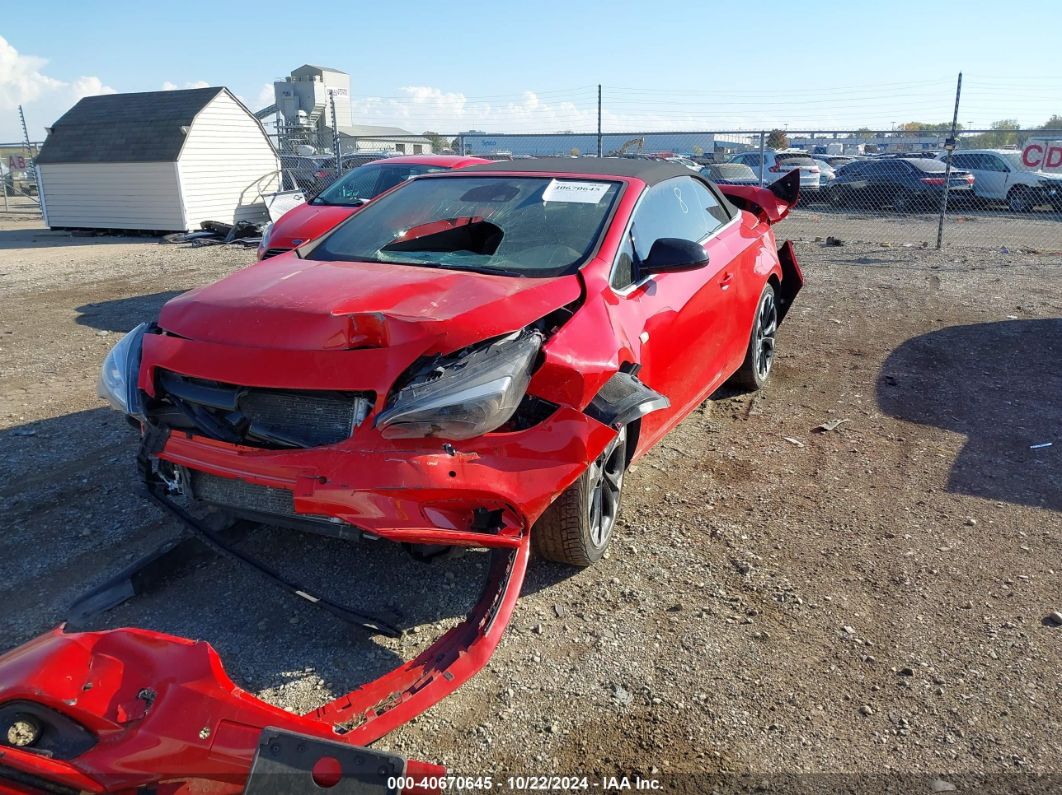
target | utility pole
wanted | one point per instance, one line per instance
(335, 135)
(25, 132)
(949, 145)
(599, 120)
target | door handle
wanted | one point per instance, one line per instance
(725, 281)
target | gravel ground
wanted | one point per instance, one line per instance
(965, 227)
(871, 599)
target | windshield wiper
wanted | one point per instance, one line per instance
(355, 202)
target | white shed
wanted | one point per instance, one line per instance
(158, 160)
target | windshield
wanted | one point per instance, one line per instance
(517, 226)
(369, 181)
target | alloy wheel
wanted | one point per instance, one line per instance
(606, 482)
(764, 333)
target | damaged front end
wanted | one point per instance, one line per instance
(387, 435)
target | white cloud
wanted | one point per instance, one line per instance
(171, 86)
(420, 108)
(44, 98)
(265, 97)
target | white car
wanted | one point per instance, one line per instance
(1000, 176)
(776, 164)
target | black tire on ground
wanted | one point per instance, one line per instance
(577, 528)
(1020, 200)
(903, 202)
(759, 357)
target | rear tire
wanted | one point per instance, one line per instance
(759, 357)
(577, 528)
(837, 196)
(903, 202)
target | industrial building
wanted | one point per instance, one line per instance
(304, 105)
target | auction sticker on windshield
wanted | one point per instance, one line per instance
(578, 192)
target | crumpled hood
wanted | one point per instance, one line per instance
(297, 304)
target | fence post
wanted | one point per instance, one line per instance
(599, 120)
(950, 146)
(763, 149)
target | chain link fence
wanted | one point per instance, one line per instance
(1002, 188)
(18, 179)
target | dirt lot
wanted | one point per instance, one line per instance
(862, 601)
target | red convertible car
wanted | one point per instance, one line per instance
(473, 359)
(347, 195)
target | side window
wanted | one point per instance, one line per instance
(964, 161)
(715, 214)
(670, 209)
(626, 271)
(995, 163)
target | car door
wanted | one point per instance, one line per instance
(994, 175)
(857, 179)
(752, 160)
(683, 320)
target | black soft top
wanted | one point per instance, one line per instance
(649, 171)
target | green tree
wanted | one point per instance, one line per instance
(1054, 123)
(924, 126)
(438, 143)
(1003, 133)
(777, 139)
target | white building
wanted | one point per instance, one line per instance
(158, 160)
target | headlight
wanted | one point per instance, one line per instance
(120, 371)
(266, 232)
(464, 396)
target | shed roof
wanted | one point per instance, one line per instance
(125, 128)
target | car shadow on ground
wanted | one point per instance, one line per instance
(72, 516)
(122, 314)
(999, 385)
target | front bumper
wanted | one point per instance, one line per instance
(164, 715)
(482, 492)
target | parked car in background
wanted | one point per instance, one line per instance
(836, 161)
(1001, 176)
(345, 196)
(828, 173)
(903, 183)
(306, 172)
(684, 161)
(730, 174)
(779, 163)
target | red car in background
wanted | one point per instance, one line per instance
(347, 195)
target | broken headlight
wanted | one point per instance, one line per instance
(121, 370)
(465, 395)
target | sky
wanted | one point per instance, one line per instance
(535, 67)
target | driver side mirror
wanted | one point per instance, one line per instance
(674, 254)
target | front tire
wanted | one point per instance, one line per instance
(577, 528)
(1020, 200)
(759, 357)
